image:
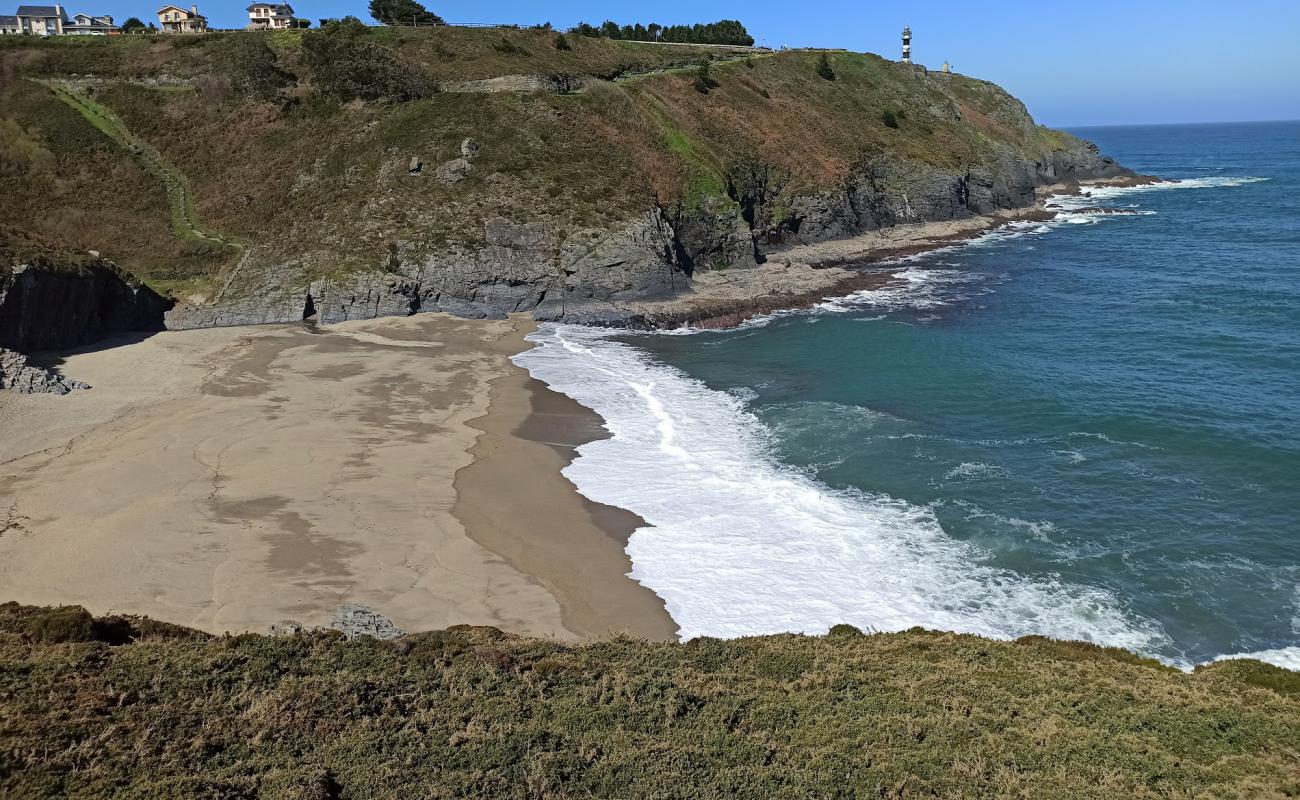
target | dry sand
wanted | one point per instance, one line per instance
(231, 478)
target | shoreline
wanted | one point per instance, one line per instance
(514, 500)
(231, 479)
(801, 276)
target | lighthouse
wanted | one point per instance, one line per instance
(907, 44)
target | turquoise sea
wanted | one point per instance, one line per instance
(1088, 428)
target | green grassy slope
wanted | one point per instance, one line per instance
(476, 713)
(278, 158)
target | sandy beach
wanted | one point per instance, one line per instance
(232, 478)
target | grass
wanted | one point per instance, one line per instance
(98, 707)
(184, 223)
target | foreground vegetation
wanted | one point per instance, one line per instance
(126, 707)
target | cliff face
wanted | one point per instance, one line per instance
(573, 200)
(50, 306)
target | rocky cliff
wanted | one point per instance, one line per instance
(55, 305)
(572, 196)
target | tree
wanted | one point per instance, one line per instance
(302, 23)
(590, 31)
(403, 12)
(133, 25)
(153, 28)
(703, 80)
(824, 68)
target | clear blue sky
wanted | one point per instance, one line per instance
(1074, 63)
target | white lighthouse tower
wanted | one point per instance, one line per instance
(907, 44)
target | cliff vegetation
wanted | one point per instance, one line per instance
(391, 169)
(127, 707)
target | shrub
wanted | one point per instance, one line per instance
(824, 69)
(133, 25)
(403, 12)
(561, 43)
(62, 624)
(348, 66)
(253, 68)
(889, 118)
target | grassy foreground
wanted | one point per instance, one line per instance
(127, 707)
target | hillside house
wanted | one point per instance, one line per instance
(54, 21)
(91, 25)
(42, 20)
(270, 16)
(174, 19)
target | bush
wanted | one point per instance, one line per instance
(62, 624)
(703, 80)
(403, 12)
(253, 68)
(346, 65)
(824, 69)
(561, 43)
(889, 118)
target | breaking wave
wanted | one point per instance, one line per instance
(738, 544)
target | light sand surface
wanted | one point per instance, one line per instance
(231, 478)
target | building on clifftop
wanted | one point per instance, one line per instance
(42, 20)
(54, 21)
(174, 19)
(907, 44)
(271, 16)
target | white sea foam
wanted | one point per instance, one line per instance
(1286, 657)
(1095, 193)
(738, 544)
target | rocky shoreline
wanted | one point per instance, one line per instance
(46, 306)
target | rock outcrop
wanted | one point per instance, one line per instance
(18, 375)
(47, 304)
(354, 620)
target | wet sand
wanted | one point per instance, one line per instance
(231, 478)
(513, 500)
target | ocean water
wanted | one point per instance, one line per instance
(1088, 428)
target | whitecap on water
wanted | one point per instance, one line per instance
(738, 544)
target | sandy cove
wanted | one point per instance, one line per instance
(232, 478)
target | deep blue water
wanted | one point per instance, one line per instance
(1111, 404)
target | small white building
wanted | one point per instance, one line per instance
(9, 25)
(270, 16)
(174, 19)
